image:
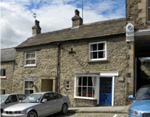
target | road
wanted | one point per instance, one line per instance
(89, 115)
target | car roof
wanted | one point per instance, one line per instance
(44, 92)
(13, 94)
(145, 86)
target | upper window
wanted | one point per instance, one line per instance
(85, 86)
(148, 10)
(2, 73)
(97, 51)
(30, 59)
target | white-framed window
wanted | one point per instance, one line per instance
(97, 51)
(30, 58)
(85, 87)
(148, 10)
(28, 87)
(67, 84)
(3, 73)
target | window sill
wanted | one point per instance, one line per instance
(34, 65)
(3, 77)
(85, 98)
(98, 60)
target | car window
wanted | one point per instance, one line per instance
(57, 96)
(21, 96)
(47, 96)
(51, 96)
(143, 94)
(12, 98)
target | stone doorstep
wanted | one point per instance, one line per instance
(116, 109)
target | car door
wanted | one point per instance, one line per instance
(58, 101)
(47, 107)
(11, 100)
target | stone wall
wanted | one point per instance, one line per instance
(46, 67)
(6, 83)
(136, 13)
(79, 62)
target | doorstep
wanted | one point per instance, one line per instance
(106, 109)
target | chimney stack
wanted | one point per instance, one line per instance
(77, 20)
(36, 29)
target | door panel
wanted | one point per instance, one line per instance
(105, 91)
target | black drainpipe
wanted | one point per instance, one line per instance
(57, 84)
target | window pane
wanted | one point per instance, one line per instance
(84, 92)
(27, 56)
(80, 81)
(84, 81)
(101, 46)
(94, 55)
(148, 3)
(79, 91)
(32, 56)
(93, 47)
(90, 81)
(30, 62)
(90, 91)
(4, 72)
(28, 84)
(149, 14)
(101, 55)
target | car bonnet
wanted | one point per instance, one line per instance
(20, 106)
(141, 105)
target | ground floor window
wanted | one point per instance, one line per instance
(85, 86)
(28, 87)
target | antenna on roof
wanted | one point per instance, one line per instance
(34, 15)
(82, 9)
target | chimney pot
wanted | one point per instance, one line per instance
(77, 12)
(36, 29)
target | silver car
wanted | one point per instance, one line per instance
(39, 104)
(10, 99)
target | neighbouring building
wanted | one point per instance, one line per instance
(7, 70)
(95, 64)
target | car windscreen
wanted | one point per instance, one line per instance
(143, 94)
(3, 98)
(32, 98)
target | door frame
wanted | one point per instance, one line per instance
(107, 74)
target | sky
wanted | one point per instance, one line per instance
(16, 16)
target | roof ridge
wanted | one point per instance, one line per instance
(55, 31)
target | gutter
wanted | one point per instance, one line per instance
(57, 83)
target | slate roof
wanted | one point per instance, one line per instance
(7, 54)
(97, 29)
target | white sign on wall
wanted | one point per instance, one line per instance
(129, 32)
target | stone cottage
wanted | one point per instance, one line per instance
(7, 70)
(95, 64)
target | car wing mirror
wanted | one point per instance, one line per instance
(44, 100)
(130, 97)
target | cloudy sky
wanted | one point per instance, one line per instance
(17, 16)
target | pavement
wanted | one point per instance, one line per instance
(106, 109)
